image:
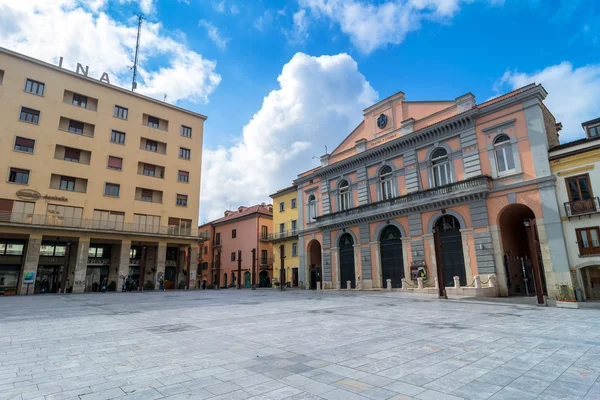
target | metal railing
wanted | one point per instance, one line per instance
(264, 236)
(283, 235)
(582, 207)
(55, 221)
(265, 262)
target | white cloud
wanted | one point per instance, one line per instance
(213, 34)
(372, 26)
(222, 7)
(319, 101)
(80, 32)
(573, 93)
(263, 21)
(299, 32)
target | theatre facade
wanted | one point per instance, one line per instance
(477, 173)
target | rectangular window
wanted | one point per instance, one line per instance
(153, 122)
(76, 127)
(264, 233)
(579, 187)
(34, 87)
(20, 176)
(24, 144)
(151, 145)
(281, 206)
(79, 100)
(233, 233)
(67, 183)
(183, 176)
(146, 195)
(29, 115)
(294, 226)
(117, 137)
(186, 131)
(233, 256)
(264, 259)
(294, 249)
(218, 239)
(282, 227)
(149, 170)
(293, 205)
(588, 240)
(115, 163)
(205, 249)
(112, 189)
(72, 154)
(182, 200)
(593, 131)
(184, 153)
(120, 112)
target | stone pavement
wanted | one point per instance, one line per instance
(297, 345)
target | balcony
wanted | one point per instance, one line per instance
(8, 218)
(265, 263)
(440, 197)
(582, 207)
(273, 237)
(264, 237)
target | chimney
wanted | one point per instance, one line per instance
(360, 145)
(325, 160)
(408, 126)
(465, 102)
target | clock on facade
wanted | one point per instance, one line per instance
(382, 121)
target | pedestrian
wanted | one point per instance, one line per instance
(161, 283)
(124, 285)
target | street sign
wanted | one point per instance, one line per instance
(29, 277)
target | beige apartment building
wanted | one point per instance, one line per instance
(100, 184)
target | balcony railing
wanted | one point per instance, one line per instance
(582, 207)
(265, 262)
(55, 221)
(264, 236)
(283, 235)
(479, 184)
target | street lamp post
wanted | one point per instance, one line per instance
(239, 277)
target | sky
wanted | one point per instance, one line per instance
(282, 80)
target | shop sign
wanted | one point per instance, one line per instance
(418, 269)
(171, 263)
(98, 261)
(30, 194)
(46, 260)
(29, 277)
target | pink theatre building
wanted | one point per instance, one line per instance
(478, 173)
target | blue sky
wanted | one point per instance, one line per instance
(279, 80)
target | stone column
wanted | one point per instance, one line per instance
(357, 262)
(430, 244)
(193, 266)
(113, 268)
(465, 233)
(123, 265)
(30, 263)
(161, 260)
(180, 276)
(405, 254)
(376, 251)
(80, 256)
(335, 261)
(499, 260)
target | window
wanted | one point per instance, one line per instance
(233, 256)
(579, 188)
(115, 163)
(149, 170)
(264, 232)
(183, 176)
(588, 240)
(281, 206)
(312, 207)
(67, 183)
(440, 168)
(182, 200)
(79, 100)
(117, 137)
(112, 189)
(282, 228)
(108, 219)
(386, 176)
(153, 122)
(24, 144)
(294, 226)
(293, 203)
(294, 249)
(72, 154)
(12, 247)
(233, 233)
(263, 257)
(186, 131)
(120, 112)
(20, 176)
(76, 127)
(151, 145)
(344, 196)
(184, 153)
(205, 249)
(1, 76)
(146, 195)
(593, 131)
(146, 223)
(34, 87)
(504, 155)
(218, 239)
(29, 115)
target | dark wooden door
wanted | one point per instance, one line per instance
(453, 259)
(347, 261)
(392, 260)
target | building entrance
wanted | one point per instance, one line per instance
(392, 260)
(453, 260)
(95, 278)
(347, 261)
(48, 279)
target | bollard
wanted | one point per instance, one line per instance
(318, 285)
(492, 280)
(404, 284)
(477, 282)
(419, 283)
(348, 285)
(338, 286)
(359, 285)
(389, 284)
(435, 282)
(456, 282)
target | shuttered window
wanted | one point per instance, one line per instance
(183, 176)
(24, 144)
(115, 163)
(72, 154)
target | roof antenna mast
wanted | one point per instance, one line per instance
(137, 49)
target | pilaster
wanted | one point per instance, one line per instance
(30, 263)
(161, 262)
(193, 255)
(80, 255)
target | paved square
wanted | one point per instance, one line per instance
(269, 345)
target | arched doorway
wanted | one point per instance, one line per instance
(453, 260)
(392, 261)
(224, 280)
(346, 245)
(263, 279)
(247, 279)
(516, 255)
(314, 251)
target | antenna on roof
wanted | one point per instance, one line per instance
(165, 98)
(326, 150)
(137, 49)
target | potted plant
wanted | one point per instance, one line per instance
(564, 296)
(10, 291)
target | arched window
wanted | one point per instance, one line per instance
(440, 168)
(504, 155)
(344, 196)
(386, 176)
(312, 208)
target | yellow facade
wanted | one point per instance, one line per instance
(89, 165)
(285, 232)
